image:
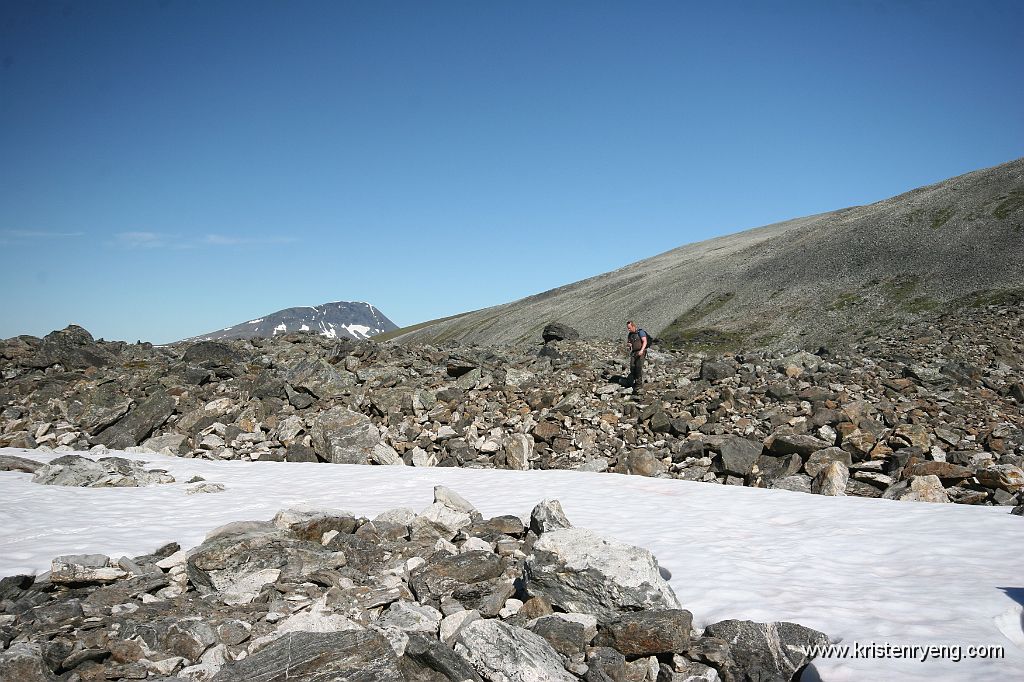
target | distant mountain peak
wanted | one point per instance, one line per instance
(337, 319)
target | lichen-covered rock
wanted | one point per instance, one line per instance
(578, 571)
(341, 436)
(353, 656)
(765, 651)
(506, 653)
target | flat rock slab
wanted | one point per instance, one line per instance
(350, 656)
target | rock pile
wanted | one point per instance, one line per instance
(440, 595)
(931, 412)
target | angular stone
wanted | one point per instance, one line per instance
(568, 633)
(320, 379)
(800, 444)
(1002, 477)
(138, 424)
(765, 651)
(84, 568)
(831, 480)
(715, 371)
(946, 472)
(503, 652)
(648, 633)
(518, 451)
(212, 354)
(352, 656)
(738, 455)
(13, 463)
(429, 654)
(918, 489)
(820, 459)
(548, 515)
(341, 436)
(556, 331)
(581, 572)
(23, 662)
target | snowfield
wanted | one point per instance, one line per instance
(864, 571)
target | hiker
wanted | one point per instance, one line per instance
(637, 341)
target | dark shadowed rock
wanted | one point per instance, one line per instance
(212, 354)
(352, 656)
(765, 651)
(716, 371)
(429, 653)
(739, 454)
(556, 331)
(647, 633)
(799, 444)
(138, 424)
(72, 347)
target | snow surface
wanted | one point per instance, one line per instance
(256, 321)
(860, 570)
(357, 330)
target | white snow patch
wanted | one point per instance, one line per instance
(255, 321)
(280, 328)
(304, 328)
(357, 330)
(860, 570)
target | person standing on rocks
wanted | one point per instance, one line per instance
(637, 342)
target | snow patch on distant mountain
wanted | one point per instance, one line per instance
(337, 319)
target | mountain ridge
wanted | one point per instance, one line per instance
(820, 279)
(346, 319)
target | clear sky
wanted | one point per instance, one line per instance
(170, 168)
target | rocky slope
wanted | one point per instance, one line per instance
(340, 319)
(440, 595)
(828, 278)
(930, 412)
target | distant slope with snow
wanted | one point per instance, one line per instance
(340, 319)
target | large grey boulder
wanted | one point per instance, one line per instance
(73, 348)
(341, 436)
(556, 331)
(765, 651)
(423, 654)
(100, 407)
(917, 489)
(320, 378)
(138, 424)
(107, 472)
(578, 571)
(14, 463)
(648, 633)
(506, 653)
(738, 455)
(212, 354)
(350, 656)
(24, 663)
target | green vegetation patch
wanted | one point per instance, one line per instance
(1009, 203)
(707, 339)
(942, 217)
(846, 302)
(686, 331)
(1001, 297)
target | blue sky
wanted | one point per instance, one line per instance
(170, 168)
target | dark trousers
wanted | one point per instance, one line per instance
(636, 370)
